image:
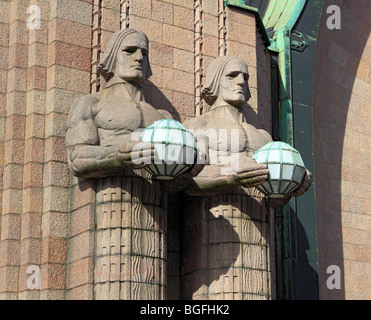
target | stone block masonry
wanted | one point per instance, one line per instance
(342, 149)
(64, 226)
(169, 27)
(35, 102)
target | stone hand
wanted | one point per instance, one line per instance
(307, 182)
(197, 167)
(248, 173)
(136, 154)
(275, 203)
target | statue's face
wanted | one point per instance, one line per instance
(233, 87)
(132, 59)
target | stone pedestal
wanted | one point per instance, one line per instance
(226, 252)
(130, 250)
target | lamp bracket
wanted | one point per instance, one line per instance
(298, 42)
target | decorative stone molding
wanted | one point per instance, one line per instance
(96, 45)
(222, 30)
(198, 56)
(124, 17)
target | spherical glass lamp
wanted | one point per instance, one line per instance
(286, 169)
(175, 146)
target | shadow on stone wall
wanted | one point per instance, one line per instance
(252, 116)
(339, 91)
(217, 247)
(155, 97)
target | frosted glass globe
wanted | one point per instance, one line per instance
(175, 147)
(286, 169)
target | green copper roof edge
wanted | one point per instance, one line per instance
(296, 10)
(272, 44)
(259, 20)
(296, 14)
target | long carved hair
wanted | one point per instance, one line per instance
(108, 62)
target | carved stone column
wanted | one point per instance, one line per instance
(226, 248)
(130, 250)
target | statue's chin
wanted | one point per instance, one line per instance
(236, 103)
(236, 100)
(136, 81)
(135, 76)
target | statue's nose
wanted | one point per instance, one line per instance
(240, 80)
(139, 55)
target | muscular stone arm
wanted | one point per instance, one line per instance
(93, 161)
(210, 182)
(86, 157)
(215, 178)
(83, 151)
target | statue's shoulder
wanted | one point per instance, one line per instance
(80, 124)
(198, 122)
(87, 100)
(266, 135)
(165, 114)
(82, 108)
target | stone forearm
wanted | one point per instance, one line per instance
(210, 181)
(96, 161)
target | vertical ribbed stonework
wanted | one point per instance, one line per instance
(222, 31)
(244, 265)
(13, 84)
(226, 247)
(124, 16)
(130, 249)
(96, 46)
(198, 56)
(36, 242)
(66, 85)
(130, 218)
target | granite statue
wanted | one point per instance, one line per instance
(103, 142)
(226, 90)
(231, 218)
(101, 126)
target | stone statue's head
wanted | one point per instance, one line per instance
(126, 56)
(227, 82)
